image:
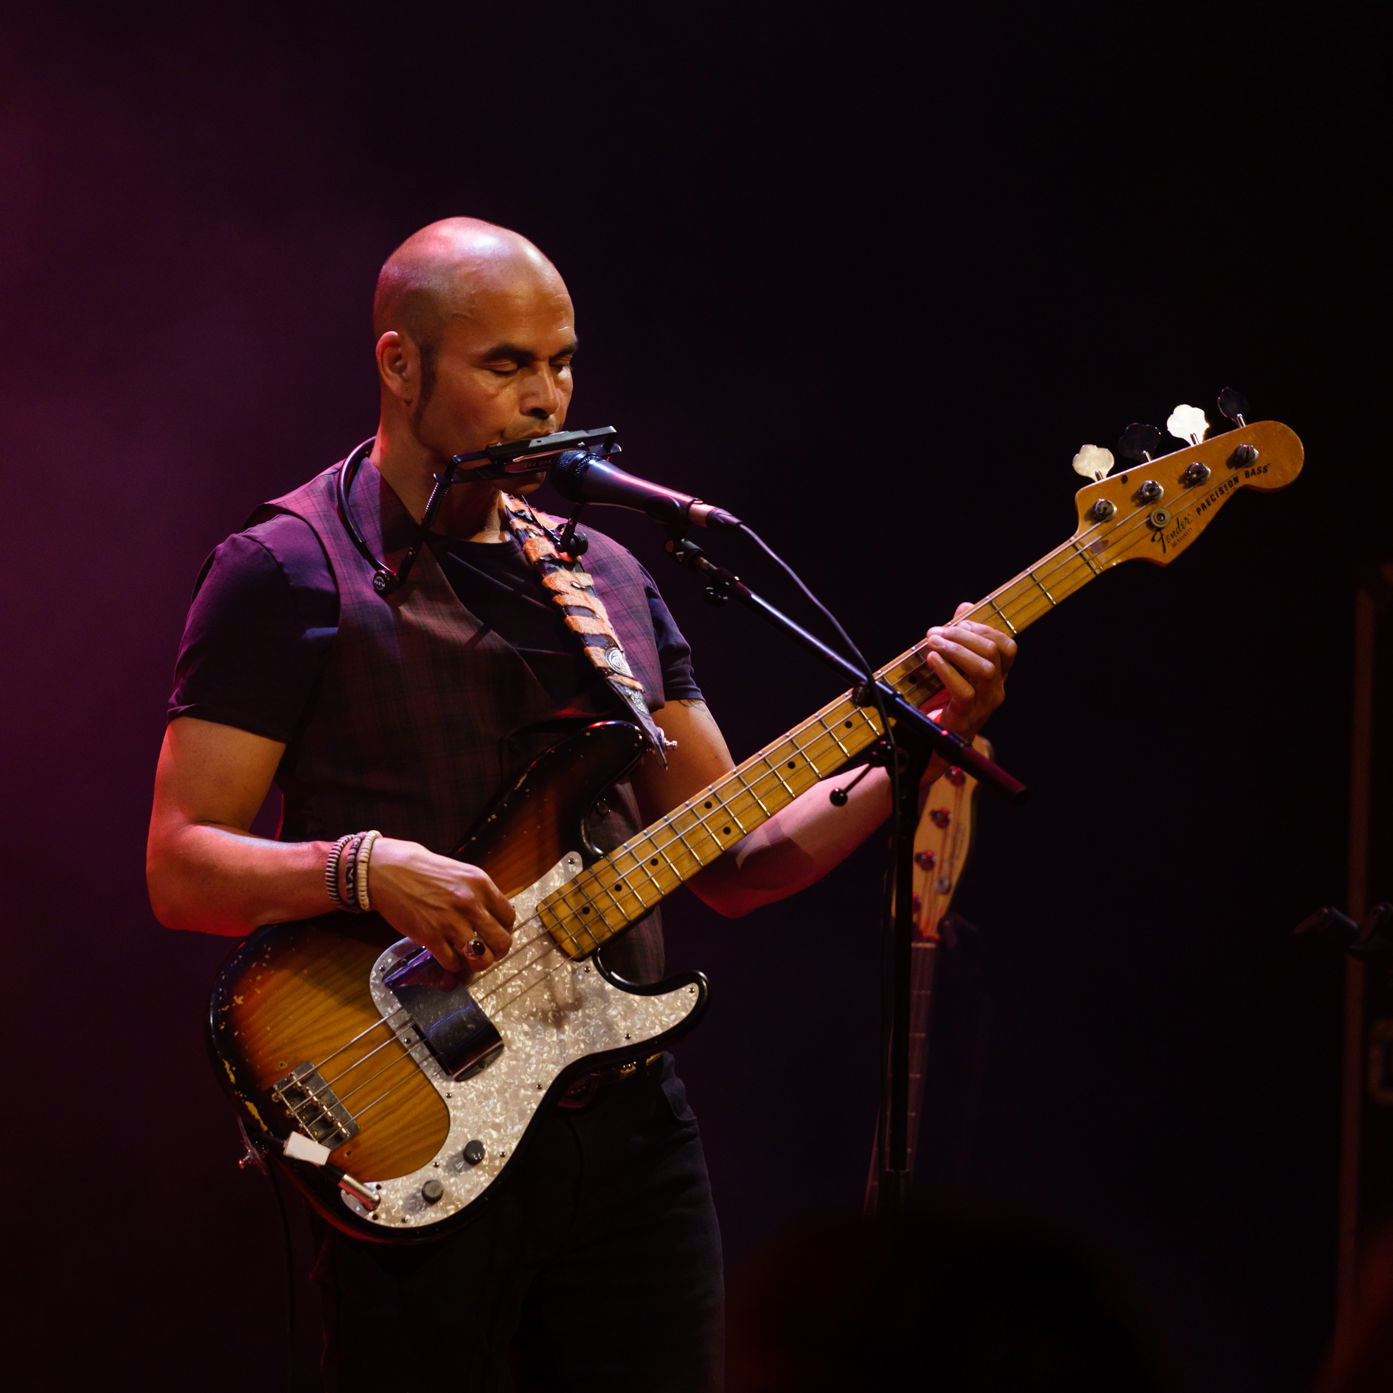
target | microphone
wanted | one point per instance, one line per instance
(585, 478)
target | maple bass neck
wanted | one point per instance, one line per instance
(1150, 512)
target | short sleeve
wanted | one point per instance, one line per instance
(263, 616)
(674, 653)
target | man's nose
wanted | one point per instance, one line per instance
(542, 396)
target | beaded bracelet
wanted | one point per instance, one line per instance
(331, 870)
(348, 891)
(346, 871)
(364, 861)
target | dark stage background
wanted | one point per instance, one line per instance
(985, 236)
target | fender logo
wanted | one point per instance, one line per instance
(1166, 538)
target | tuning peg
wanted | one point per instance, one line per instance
(1188, 423)
(1233, 405)
(1139, 442)
(1093, 462)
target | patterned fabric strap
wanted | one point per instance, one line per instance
(573, 591)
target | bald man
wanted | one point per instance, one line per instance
(406, 714)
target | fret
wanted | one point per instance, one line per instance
(616, 887)
(759, 802)
(699, 822)
(586, 917)
(1001, 614)
(1066, 576)
(662, 851)
(645, 864)
(564, 939)
(748, 809)
(1089, 561)
(917, 682)
(574, 937)
(588, 921)
(907, 663)
(731, 828)
(836, 738)
(773, 766)
(1041, 584)
(599, 886)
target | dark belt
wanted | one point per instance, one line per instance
(583, 1091)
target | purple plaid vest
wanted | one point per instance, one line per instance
(422, 717)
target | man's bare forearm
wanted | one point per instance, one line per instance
(797, 846)
(221, 880)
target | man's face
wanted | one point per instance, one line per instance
(501, 369)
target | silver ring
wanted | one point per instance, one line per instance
(475, 948)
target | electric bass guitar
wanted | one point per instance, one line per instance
(397, 1093)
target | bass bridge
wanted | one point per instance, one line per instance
(314, 1106)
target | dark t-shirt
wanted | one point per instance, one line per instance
(265, 612)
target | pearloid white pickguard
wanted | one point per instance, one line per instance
(551, 1013)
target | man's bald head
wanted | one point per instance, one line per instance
(475, 336)
(437, 271)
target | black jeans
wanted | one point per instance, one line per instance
(596, 1266)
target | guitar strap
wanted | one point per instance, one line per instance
(572, 590)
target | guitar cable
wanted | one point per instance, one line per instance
(260, 1148)
(291, 1304)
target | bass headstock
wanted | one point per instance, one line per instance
(1153, 510)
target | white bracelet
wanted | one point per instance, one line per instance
(364, 860)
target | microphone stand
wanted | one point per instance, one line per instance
(917, 739)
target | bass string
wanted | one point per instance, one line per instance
(392, 1062)
(513, 958)
(362, 1059)
(517, 960)
(348, 1044)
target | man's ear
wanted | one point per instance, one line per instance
(399, 366)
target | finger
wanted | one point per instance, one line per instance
(979, 630)
(961, 619)
(462, 953)
(444, 953)
(478, 937)
(973, 655)
(982, 639)
(494, 906)
(499, 905)
(954, 682)
(485, 914)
